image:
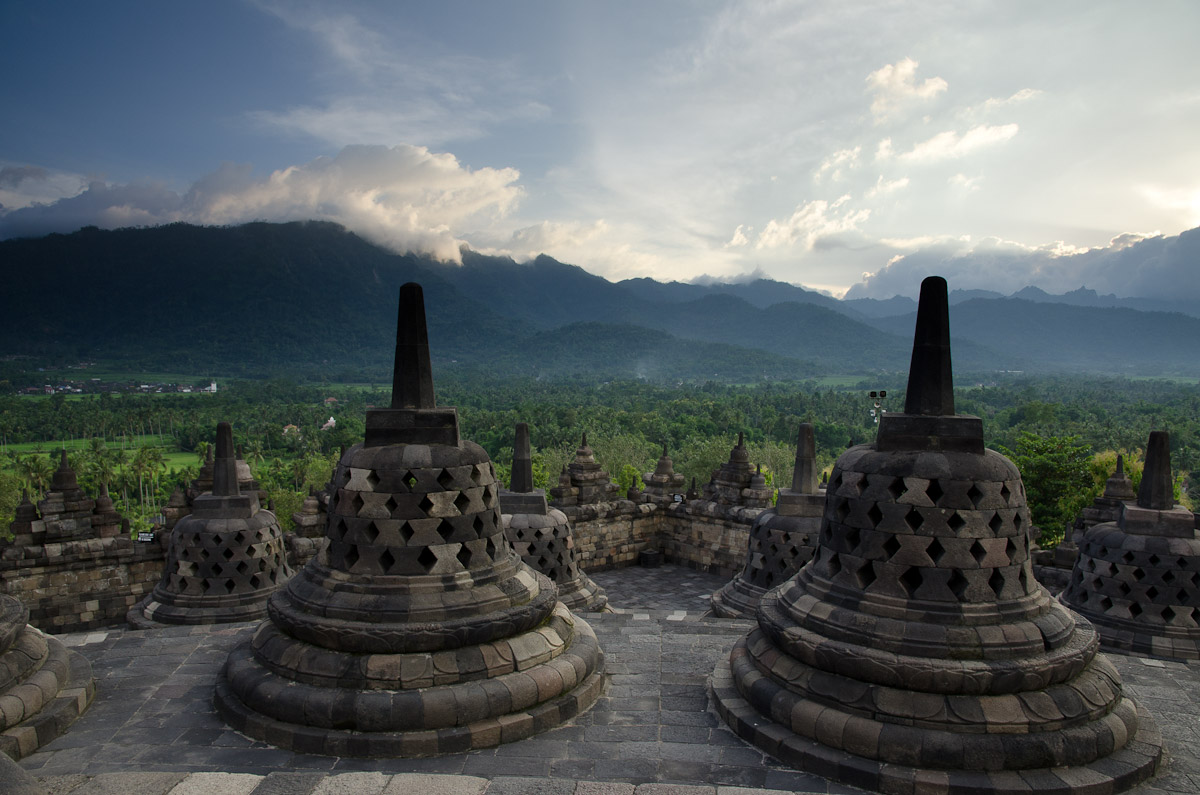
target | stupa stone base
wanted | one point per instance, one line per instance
(1136, 761)
(415, 704)
(44, 686)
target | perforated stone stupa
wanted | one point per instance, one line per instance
(916, 652)
(44, 686)
(224, 559)
(417, 630)
(542, 535)
(782, 539)
(1138, 578)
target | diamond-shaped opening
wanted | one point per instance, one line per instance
(350, 557)
(956, 522)
(911, 579)
(1135, 610)
(462, 502)
(230, 586)
(409, 480)
(1153, 560)
(774, 550)
(958, 583)
(386, 561)
(934, 491)
(979, 552)
(490, 549)
(243, 567)
(1010, 550)
(914, 519)
(227, 553)
(406, 532)
(897, 488)
(833, 564)
(1168, 577)
(1091, 564)
(478, 526)
(1127, 557)
(769, 579)
(1168, 614)
(1181, 563)
(239, 538)
(475, 476)
(356, 504)
(1005, 493)
(537, 534)
(255, 581)
(445, 479)
(391, 505)
(1138, 575)
(204, 586)
(996, 523)
(372, 479)
(1181, 596)
(842, 510)
(541, 563)
(865, 575)
(427, 559)
(371, 532)
(1105, 604)
(426, 504)
(204, 554)
(834, 483)
(935, 551)
(1018, 522)
(1151, 592)
(1103, 552)
(974, 495)
(875, 515)
(891, 546)
(445, 530)
(852, 537)
(1023, 578)
(996, 581)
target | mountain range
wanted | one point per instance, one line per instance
(313, 300)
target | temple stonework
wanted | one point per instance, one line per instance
(65, 510)
(417, 630)
(1138, 578)
(782, 539)
(542, 535)
(223, 559)
(664, 484)
(583, 482)
(916, 652)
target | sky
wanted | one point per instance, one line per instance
(841, 146)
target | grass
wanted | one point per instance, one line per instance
(134, 442)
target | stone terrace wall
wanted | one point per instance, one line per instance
(713, 544)
(73, 586)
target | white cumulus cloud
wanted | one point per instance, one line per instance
(949, 144)
(811, 223)
(894, 88)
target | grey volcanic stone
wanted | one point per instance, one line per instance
(1138, 579)
(916, 651)
(417, 629)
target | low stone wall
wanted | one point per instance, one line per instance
(72, 586)
(711, 541)
(610, 535)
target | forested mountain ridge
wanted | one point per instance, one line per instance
(311, 299)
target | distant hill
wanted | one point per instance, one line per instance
(313, 300)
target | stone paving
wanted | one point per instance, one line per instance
(153, 729)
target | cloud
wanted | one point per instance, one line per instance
(403, 197)
(1130, 265)
(551, 236)
(1024, 95)
(967, 184)
(832, 165)
(739, 237)
(811, 223)
(13, 176)
(883, 188)
(894, 88)
(949, 144)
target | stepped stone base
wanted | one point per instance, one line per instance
(1137, 761)
(48, 701)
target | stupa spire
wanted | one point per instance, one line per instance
(1156, 490)
(412, 374)
(930, 376)
(225, 482)
(521, 480)
(804, 476)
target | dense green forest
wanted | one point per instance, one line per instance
(1064, 429)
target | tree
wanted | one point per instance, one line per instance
(1056, 471)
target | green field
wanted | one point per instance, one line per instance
(129, 443)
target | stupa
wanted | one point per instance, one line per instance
(223, 559)
(664, 484)
(916, 652)
(734, 483)
(44, 686)
(417, 630)
(588, 482)
(1118, 490)
(1138, 578)
(782, 539)
(542, 535)
(66, 511)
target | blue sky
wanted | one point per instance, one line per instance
(826, 144)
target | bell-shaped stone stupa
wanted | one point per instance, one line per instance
(417, 630)
(542, 536)
(224, 559)
(916, 652)
(782, 539)
(1136, 578)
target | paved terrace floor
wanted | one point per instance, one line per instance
(153, 730)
